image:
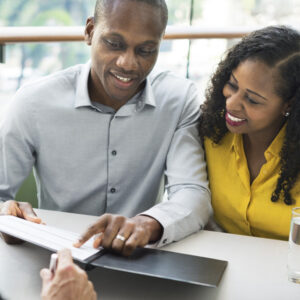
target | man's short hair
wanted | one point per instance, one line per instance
(102, 5)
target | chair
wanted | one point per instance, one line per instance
(28, 192)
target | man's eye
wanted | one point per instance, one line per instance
(146, 51)
(113, 44)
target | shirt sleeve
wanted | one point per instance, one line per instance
(188, 207)
(16, 147)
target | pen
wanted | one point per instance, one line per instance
(53, 263)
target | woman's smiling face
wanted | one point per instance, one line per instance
(252, 105)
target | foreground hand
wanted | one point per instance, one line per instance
(69, 281)
(121, 234)
(22, 210)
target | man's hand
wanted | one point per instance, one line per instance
(22, 210)
(69, 281)
(121, 234)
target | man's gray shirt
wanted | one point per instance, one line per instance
(88, 159)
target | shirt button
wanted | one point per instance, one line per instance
(164, 241)
(114, 152)
(112, 190)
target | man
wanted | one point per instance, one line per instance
(101, 136)
(69, 282)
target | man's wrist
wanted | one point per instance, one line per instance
(155, 228)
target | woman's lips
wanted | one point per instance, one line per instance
(234, 121)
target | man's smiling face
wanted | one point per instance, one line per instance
(124, 48)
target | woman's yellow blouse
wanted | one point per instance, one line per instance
(242, 208)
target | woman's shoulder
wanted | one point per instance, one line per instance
(228, 140)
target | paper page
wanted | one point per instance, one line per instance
(46, 236)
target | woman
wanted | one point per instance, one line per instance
(250, 125)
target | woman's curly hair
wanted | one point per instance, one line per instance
(279, 47)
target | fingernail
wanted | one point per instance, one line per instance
(45, 274)
(77, 244)
(96, 244)
(97, 235)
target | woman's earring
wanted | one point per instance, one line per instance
(287, 114)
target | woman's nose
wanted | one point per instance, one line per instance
(234, 102)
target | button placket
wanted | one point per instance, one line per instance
(112, 164)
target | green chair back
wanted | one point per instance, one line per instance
(28, 192)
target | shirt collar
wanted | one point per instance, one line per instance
(277, 143)
(237, 143)
(273, 149)
(148, 95)
(82, 95)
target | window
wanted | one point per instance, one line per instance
(27, 61)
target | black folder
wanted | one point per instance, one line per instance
(163, 264)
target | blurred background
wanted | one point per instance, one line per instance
(196, 59)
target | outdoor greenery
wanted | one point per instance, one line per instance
(45, 13)
(64, 13)
(37, 59)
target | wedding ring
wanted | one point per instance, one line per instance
(120, 237)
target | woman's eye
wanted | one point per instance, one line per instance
(232, 85)
(250, 100)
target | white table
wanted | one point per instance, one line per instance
(256, 268)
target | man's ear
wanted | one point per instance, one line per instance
(89, 30)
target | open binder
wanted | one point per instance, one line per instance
(144, 261)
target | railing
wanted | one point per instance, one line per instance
(76, 34)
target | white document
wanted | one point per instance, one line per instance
(46, 236)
